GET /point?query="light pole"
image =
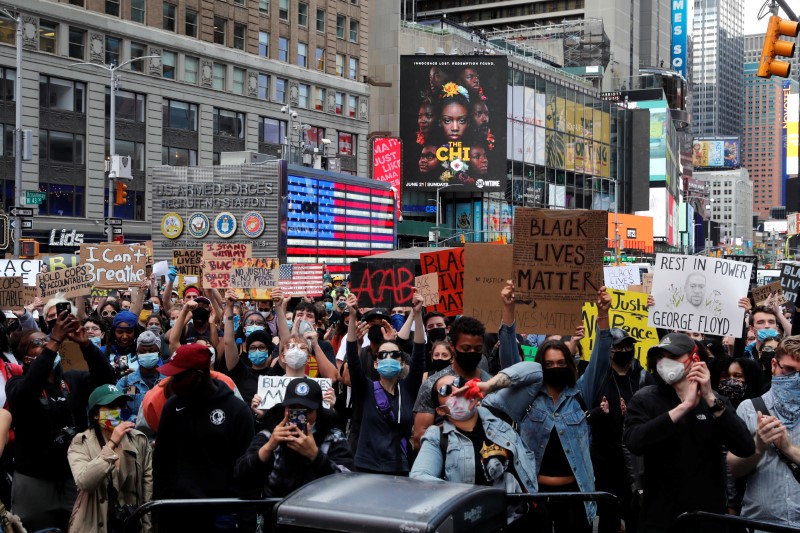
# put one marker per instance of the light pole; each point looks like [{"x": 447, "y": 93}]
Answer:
[
  {"x": 112, "y": 70},
  {"x": 288, "y": 134},
  {"x": 17, "y": 130}
]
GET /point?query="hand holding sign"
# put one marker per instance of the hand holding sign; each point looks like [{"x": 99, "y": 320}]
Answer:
[{"x": 417, "y": 303}]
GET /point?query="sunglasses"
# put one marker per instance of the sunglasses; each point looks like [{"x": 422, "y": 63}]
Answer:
[
  {"x": 39, "y": 342},
  {"x": 394, "y": 354},
  {"x": 109, "y": 314},
  {"x": 447, "y": 390}
]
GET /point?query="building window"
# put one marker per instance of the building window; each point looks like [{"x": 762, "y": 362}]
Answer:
[
  {"x": 302, "y": 14},
  {"x": 263, "y": 44},
  {"x": 353, "y": 31},
  {"x": 112, "y": 50},
  {"x": 112, "y": 8},
  {"x": 339, "y": 103},
  {"x": 219, "y": 30},
  {"x": 190, "y": 69},
  {"x": 77, "y": 43},
  {"x": 48, "y": 34},
  {"x": 218, "y": 75},
  {"x": 319, "y": 98},
  {"x": 238, "y": 80},
  {"x": 283, "y": 49},
  {"x": 320, "y": 58},
  {"x": 340, "y": 22},
  {"x": 62, "y": 147},
  {"x": 263, "y": 6},
  {"x": 352, "y": 105},
  {"x": 302, "y": 54},
  {"x": 321, "y": 20},
  {"x": 271, "y": 130},
  {"x": 137, "y": 11},
  {"x": 239, "y": 31},
  {"x": 263, "y": 86},
  {"x": 302, "y": 99},
  {"x": 228, "y": 123},
  {"x": 168, "y": 20},
  {"x": 130, "y": 106},
  {"x": 353, "y": 71},
  {"x": 168, "y": 62},
  {"x": 7, "y": 84},
  {"x": 64, "y": 95},
  {"x": 340, "y": 65},
  {"x": 280, "y": 90},
  {"x": 8, "y": 30},
  {"x": 61, "y": 200},
  {"x": 178, "y": 157},
  {"x": 312, "y": 137},
  {"x": 283, "y": 9},
  {"x": 239, "y": 3},
  {"x": 138, "y": 50},
  {"x": 179, "y": 115},
  {"x": 346, "y": 143},
  {"x": 191, "y": 23}
]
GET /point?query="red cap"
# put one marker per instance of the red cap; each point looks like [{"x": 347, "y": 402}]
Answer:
[{"x": 193, "y": 356}]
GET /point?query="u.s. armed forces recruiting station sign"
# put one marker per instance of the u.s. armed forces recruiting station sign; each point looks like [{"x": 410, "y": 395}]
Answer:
[{"x": 193, "y": 206}]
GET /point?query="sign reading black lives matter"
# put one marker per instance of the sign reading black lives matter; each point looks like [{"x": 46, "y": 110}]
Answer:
[
  {"x": 699, "y": 294},
  {"x": 193, "y": 206},
  {"x": 453, "y": 122}
]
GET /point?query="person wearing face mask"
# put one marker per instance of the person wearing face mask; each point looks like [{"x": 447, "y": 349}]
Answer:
[
  {"x": 386, "y": 418},
  {"x": 146, "y": 376},
  {"x": 267, "y": 308},
  {"x": 679, "y": 427},
  {"x": 442, "y": 356},
  {"x": 625, "y": 377},
  {"x": 475, "y": 444},
  {"x": 111, "y": 463},
  {"x": 48, "y": 406},
  {"x": 765, "y": 356},
  {"x": 121, "y": 343},
  {"x": 200, "y": 326}
]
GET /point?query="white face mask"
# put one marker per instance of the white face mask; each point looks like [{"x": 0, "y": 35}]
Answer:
[
  {"x": 296, "y": 358},
  {"x": 670, "y": 370},
  {"x": 460, "y": 408}
]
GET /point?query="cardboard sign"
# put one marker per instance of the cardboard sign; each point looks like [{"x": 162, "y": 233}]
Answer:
[
  {"x": 240, "y": 266},
  {"x": 753, "y": 260},
  {"x": 218, "y": 258},
  {"x": 790, "y": 281},
  {"x": 762, "y": 292},
  {"x": 188, "y": 261},
  {"x": 558, "y": 263},
  {"x": 621, "y": 277},
  {"x": 115, "y": 266},
  {"x": 27, "y": 268},
  {"x": 254, "y": 278},
  {"x": 72, "y": 357},
  {"x": 383, "y": 282},
  {"x": 72, "y": 282},
  {"x": 12, "y": 293},
  {"x": 31, "y": 293},
  {"x": 647, "y": 284},
  {"x": 699, "y": 294},
  {"x": 449, "y": 264},
  {"x": 272, "y": 388},
  {"x": 427, "y": 286},
  {"x": 629, "y": 312}
]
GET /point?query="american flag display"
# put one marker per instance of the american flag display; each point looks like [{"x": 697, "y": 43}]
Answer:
[{"x": 301, "y": 279}]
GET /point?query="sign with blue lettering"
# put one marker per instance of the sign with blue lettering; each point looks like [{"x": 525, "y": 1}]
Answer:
[{"x": 678, "y": 44}]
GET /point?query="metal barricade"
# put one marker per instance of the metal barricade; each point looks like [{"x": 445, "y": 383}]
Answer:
[
  {"x": 263, "y": 506},
  {"x": 734, "y": 523},
  {"x": 548, "y": 497}
]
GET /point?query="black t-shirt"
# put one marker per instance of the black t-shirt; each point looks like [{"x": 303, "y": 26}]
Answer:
[
  {"x": 554, "y": 461},
  {"x": 246, "y": 379},
  {"x": 477, "y": 437}
]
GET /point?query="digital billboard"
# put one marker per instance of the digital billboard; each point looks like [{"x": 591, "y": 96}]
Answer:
[
  {"x": 387, "y": 153},
  {"x": 453, "y": 122},
  {"x": 658, "y": 138},
  {"x": 718, "y": 152},
  {"x": 680, "y": 19},
  {"x": 792, "y": 109}
]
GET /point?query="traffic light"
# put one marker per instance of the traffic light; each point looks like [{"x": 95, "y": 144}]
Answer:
[
  {"x": 122, "y": 193},
  {"x": 773, "y": 47},
  {"x": 28, "y": 248}
]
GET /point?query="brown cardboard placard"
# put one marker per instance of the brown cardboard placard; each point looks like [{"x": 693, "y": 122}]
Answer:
[
  {"x": 762, "y": 292},
  {"x": 72, "y": 357},
  {"x": 427, "y": 286},
  {"x": 254, "y": 278},
  {"x": 115, "y": 266},
  {"x": 188, "y": 261},
  {"x": 72, "y": 282},
  {"x": 12, "y": 293},
  {"x": 218, "y": 260},
  {"x": 647, "y": 282}
]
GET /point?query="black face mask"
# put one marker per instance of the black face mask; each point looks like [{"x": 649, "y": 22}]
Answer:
[
  {"x": 51, "y": 324},
  {"x": 623, "y": 358},
  {"x": 200, "y": 315},
  {"x": 468, "y": 361},
  {"x": 439, "y": 364},
  {"x": 436, "y": 334},
  {"x": 558, "y": 377},
  {"x": 375, "y": 334},
  {"x": 766, "y": 355}
]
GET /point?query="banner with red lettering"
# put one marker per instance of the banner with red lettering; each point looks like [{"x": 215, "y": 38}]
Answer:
[
  {"x": 387, "y": 155},
  {"x": 449, "y": 264}
]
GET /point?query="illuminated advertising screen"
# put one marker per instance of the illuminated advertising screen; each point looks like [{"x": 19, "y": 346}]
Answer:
[
  {"x": 453, "y": 122},
  {"x": 387, "y": 153},
  {"x": 792, "y": 105},
  {"x": 336, "y": 222},
  {"x": 719, "y": 152},
  {"x": 680, "y": 20}
]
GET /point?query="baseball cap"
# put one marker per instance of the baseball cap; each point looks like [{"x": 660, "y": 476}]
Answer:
[
  {"x": 305, "y": 392},
  {"x": 619, "y": 335},
  {"x": 674, "y": 343},
  {"x": 148, "y": 338},
  {"x": 105, "y": 395},
  {"x": 202, "y": 300},
  {"x": 377, "y": 312},
  {"x": 193, "y": 356}
]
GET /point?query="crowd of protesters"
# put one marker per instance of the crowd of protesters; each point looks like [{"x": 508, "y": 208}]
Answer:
[{"x": 166, "y": 405}]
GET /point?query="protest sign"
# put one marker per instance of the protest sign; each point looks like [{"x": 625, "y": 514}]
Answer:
[
  {"x": 449, "y": 264},
  {"x": 629, "y": 312},
  {"x": 188, "y": 261},
  {"x": 72, "y": 356},
  {"x": 272, "y": 388},
  {"x": 27, "y": 268},
  {"x": 52, "y": 262},
  {"x": 752, "y": 259},
  {"x": 98, "y": 292},
  {"x": 218, "y": 258},
  {"x": 31, "y": 293},
  {"x": 383, "y": 282},
  {"x": 790, "y": 282},
  {"x": 72, "y": 282},
  {"x": 762, "y": 292},
  {"x": 12, "y": 293},
  {"x": 427, "y": 286},
  {"x": 115, "y": 266},
  {"x": 301, "y": 279},
  {"x": 254, "y": 271},
  {"x": 558, "y": 263},
  {"x": 161, "y": 269},
  {"x": 621, "y": 277},
  {"x": 699, "y": 294}
]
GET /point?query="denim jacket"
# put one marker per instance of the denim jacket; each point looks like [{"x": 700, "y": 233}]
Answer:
[
  {"x": 134, "y": 379},
  {"x": 459, "y": 466},
  {"x": 567, "y": 415}
]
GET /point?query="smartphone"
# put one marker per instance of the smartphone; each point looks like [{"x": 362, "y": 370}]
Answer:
[
  {"x": 61, "y": 307},
  {"x": 298, "y": 418}
]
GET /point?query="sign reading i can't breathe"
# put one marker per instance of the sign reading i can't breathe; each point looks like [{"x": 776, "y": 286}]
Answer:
[{"x": 115, "y": 266}]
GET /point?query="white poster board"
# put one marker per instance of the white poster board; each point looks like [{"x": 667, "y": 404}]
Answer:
[
  {"x": 699, "y": 294},
  {"x": 619, "y": 277},
  {"x": 27, "y": 268},
  {"x": 272, "y": 388}
]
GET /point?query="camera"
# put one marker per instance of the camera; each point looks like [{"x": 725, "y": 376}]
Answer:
[
  {"x": 120, "y": 515},
  {"x": 65, "y": 435}
]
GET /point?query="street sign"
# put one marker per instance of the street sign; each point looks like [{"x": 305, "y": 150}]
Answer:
[
  {"x": 35, "y": 197},
  {"x": 117, "y": 231},
  {"x": 113, "y": 222},
  {"x": 21, "y": 211},
  {"x": 27, "y": 223}
]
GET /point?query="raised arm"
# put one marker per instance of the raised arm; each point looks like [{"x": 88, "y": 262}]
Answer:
[
  {"x": 138, "y": 299},
  {"x": 358, "y": 380},
  {"x": 166, "y": 299},
  {"x": 231, "y": 350},
  {"x": 509, "y": 353},
  {"x": 180, "y": 323},
  {"x": 600, "y": 361},
  {"x": 280, "y": 302}
]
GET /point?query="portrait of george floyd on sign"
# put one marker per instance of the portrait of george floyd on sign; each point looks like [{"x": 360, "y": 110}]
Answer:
[{"x": 453, "y": 122}]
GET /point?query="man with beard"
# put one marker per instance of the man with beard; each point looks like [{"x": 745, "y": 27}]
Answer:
[{"x": 480, "y": 118}]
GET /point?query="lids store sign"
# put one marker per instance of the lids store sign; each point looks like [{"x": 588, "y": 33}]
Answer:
[{"x": 65, "y": 238}]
